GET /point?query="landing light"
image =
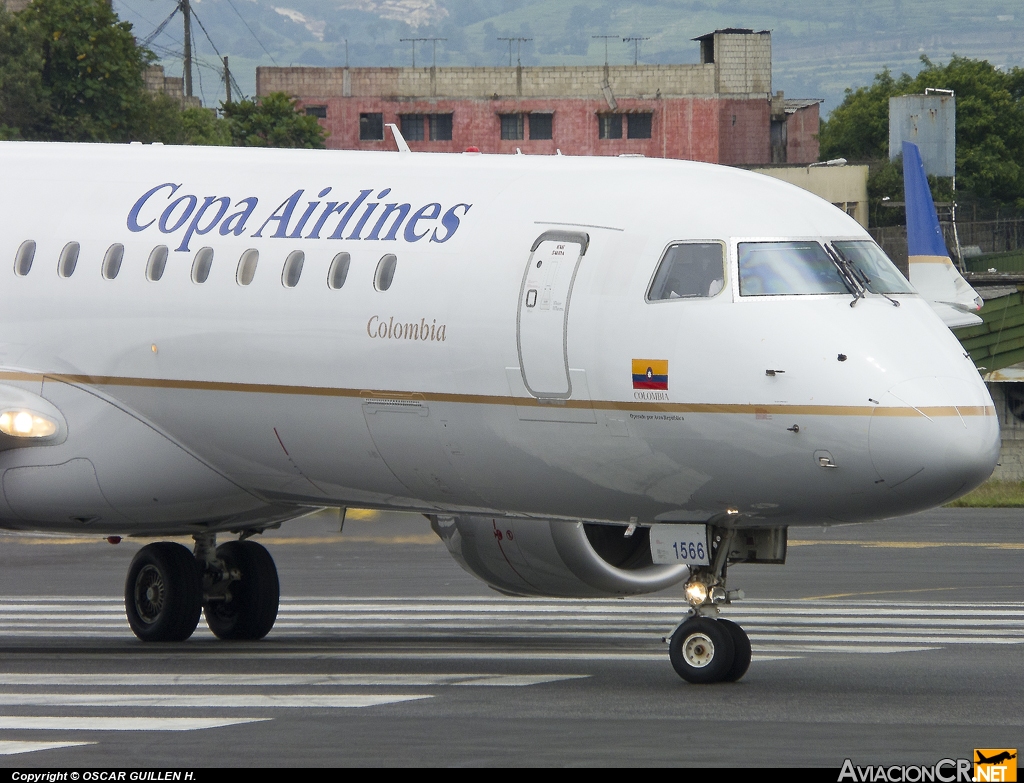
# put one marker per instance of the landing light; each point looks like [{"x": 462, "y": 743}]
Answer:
[
  {"x": 696, "y": 593},
  {"x": 26, "y": 424}
]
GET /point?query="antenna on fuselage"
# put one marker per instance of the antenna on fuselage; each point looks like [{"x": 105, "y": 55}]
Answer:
[{"x": 403, "y": 145}]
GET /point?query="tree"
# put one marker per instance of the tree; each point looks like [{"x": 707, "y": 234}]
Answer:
[
  {"x": 272, "y": 121},
  {"x": 23, "y": 101},
  {"x": 91, "y": 71},
  {"x": 989, "y": 123}
]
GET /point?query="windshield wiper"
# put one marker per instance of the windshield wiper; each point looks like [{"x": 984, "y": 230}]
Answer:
[
  {"x": 846, "y": 271},
  {"x": 862, "y": 276}
]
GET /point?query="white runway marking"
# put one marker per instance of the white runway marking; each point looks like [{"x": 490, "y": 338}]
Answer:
[
  {"x": 776, "y": 627},
  {"x": 93, "y": 723},
  {"x": 193, "y": 680},
  {"x": 11, "y": 747},
  {"x": 205, "y": 701}
]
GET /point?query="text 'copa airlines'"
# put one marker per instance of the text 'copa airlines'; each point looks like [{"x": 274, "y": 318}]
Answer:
[{"x": 169, "y": 212}]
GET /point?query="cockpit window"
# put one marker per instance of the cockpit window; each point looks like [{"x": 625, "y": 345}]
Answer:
[
  {"x": 689, "y": 271},
  {"x": 880, "y": 274},
  {"x": 776, "y": 268}
]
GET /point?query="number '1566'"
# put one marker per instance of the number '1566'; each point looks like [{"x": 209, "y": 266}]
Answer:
[{"x": 688, "y": 550}]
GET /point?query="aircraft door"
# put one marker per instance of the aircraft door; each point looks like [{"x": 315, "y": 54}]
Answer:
[{"x": 543, "y": 316}]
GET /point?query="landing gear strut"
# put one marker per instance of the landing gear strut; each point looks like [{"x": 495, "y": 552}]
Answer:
[
  {"x": 168, "y": 587},
  {"x": 704, "y": 648}
]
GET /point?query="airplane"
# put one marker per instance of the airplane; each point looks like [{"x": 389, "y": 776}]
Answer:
[
  {"x": 996, "y": 759},
  {"x": 595, "y": 376}
]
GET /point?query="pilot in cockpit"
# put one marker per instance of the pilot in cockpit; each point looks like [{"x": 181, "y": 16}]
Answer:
[{"x": 689, "y": 271}]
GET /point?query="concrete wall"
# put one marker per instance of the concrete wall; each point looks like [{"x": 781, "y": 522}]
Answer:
[
  {"x": 533, "y": 82},
  {"x": 717, "y": 111},
  {"x": 743, "y": 63},
  {"x": 684, "y": 128},
  {"x": 840, "y": 185},
  {"x": 802, "y": 127}
]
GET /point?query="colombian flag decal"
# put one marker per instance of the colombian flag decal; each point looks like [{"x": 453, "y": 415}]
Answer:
[{"x": 650, "y": 374}]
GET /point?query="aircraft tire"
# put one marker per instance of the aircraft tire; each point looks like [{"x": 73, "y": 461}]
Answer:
[
  {"x": 741, "y": 645},
  {"x": 252, "y": 610},
  {"x": 163, "y": 593},
  {"x": 702, "y": 650}
]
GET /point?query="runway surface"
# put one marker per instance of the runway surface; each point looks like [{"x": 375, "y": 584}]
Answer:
[{"x": 893, "y": 643}]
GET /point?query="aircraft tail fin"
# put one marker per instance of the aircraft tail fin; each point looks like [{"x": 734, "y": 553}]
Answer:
[{"x": 932, "y": 272}]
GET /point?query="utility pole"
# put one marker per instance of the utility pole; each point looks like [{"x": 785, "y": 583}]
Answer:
[
  {"x": 227, "y": 78},
  {"x": 519, "y": 50},
  {"x": 636, "y": 39},
  {"x": 186, "y": 12}
]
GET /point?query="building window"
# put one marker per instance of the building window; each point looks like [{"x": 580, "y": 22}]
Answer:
[
  {"x": 371, "y": 127},
  {"x": 413, "y": 127},
  {"x": 511, "y": 126},
  {"x": 320, "y": 112},
  {"x": 421, "y": 127},
  {"x": 440, "y": 127},
  {"x": 638, "y": 126},
  {"x": 609, "y": 126},
  {"x": 541, "y": 126}
]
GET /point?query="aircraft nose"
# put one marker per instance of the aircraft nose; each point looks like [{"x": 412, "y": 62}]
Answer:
[{"x": 934, "y": 438}]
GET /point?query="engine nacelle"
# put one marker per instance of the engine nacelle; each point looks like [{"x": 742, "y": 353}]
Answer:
[{"x": 555, "y": 558}]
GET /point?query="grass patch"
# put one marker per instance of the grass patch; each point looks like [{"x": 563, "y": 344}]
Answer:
[{"x": 993, "y": 494}]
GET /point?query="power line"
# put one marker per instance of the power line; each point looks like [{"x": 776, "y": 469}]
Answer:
[
  {"x": 160, "y": 27},
  {"x": 253, "y": 34},
  {"x": 216, "y": 51}
]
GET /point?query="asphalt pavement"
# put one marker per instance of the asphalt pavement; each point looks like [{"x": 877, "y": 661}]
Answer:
[{"x": 898, "y": 642}]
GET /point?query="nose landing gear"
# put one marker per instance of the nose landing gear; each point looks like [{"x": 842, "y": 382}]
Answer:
[{"x": 704, "y": 648}]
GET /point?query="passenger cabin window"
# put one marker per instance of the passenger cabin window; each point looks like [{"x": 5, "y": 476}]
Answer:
[
  {"x": 23, "y": 259},
  {"x": 157, "y": 263},
  {"x": 247, "y": 266},
  {"x": 68, "y": 259},
  {"x": 292, "y": 269},
  {"x": 880, "y": 274},
  {"x": 385, "y": 272},
  {"x": 777, "y": 268},
  {"x": 338, "y": 272},
  {"x": 689, "y": 271},
  {"x": 202, "y": 265},
  {"x": 112, "y": 261}
]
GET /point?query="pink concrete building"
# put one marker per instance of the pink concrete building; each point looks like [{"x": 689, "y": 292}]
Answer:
[{"x": 721, "y": 110}]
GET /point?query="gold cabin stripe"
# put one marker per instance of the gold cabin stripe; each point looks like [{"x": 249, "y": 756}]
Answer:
[{"x": 936, "y": 411}]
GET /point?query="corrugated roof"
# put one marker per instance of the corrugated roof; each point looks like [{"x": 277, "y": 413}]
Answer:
[{"x": 792, "y": 105}]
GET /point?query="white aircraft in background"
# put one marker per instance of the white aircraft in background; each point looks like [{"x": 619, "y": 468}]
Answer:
[{"x": 595, "y": 376}]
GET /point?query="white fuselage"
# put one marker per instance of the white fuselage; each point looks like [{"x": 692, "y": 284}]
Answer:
[{"x": 283, "y": 398}]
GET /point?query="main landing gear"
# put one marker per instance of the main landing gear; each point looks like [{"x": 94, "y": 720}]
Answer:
[
  {"x": 704, "y": 648},
  {"x": 235, "y": 585}
]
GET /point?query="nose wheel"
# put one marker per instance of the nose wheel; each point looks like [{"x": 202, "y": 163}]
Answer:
[{"x": 704, "y": 650}]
